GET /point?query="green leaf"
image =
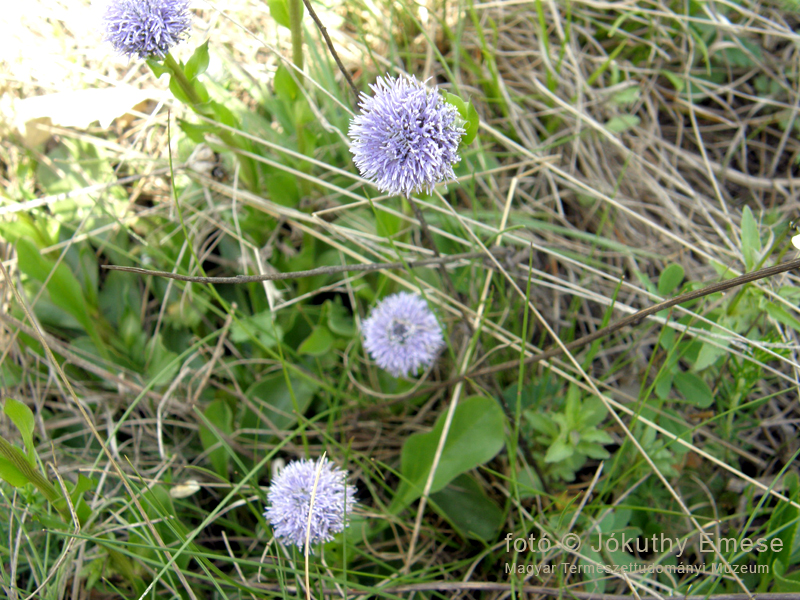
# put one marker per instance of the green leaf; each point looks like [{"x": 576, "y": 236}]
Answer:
[
  {"x": 622, "y": 123},
  {"x": 596, "y": 585},
  {"x": 157, "y": 67},
  {"x": 161, "y": 363},
  {"x": 670, "y": 279},
  {"x": 23, "y": 419},
  {"x": 694, "y": 389},
  {"x": 84, "y": 484},
  {"x": 220, "y": 416},
  {"x": 542, "y": 422},
  {"x": 751, "y": 242},
  {"x": 195, "y": 132},
  {"x": 469, "y": 114},
  {"x": 475, "y": 437},
  {"x": 781, "y": 315},
  {"x": 259, "y": 326},
  {"x": 17, "y": 470},
  {"x": 388, "y": 224},
  {"x": 784, "y": 519},
  {"x": 473, "y": 514},
  {"x": 790, "y": 583},
  {"x": 201, "y": 92},
  {"x": 664, "y": 383},
  {"x": 674, "y": 79},
  {"x": 282, "y": 188},
  {"x": 87, "y": 274},
  {"x": 279, "y": 9},
  {"x": 473, "y": 122},
  {"x": 458, "y": 102},
  {"x": 626, "y": 97},
  {"x": 65, "y": 291},
  {"x": 198, "y": 63},
  {"x": 318, "y": 343},
  {"x": 559, "y": 450},
  {"x": 224, "y": 115},
  {"x": 285, "y": 86},
  {"x": 592, "y": 412},
  {"x": 340, "y": 322},
  {"x": 11, "y": 473},
  {"x": 710, "y": 353},
  {"x": 177, "y": 91},
  {"x": 273, "y": 398},
  {"x": 529, "y": 483}
]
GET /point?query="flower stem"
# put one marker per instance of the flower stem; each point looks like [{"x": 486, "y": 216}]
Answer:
[
  {"x": 205, "y": 109},
  {"x": 296, "y": 22},
  {"x": 186, "y": 85}
]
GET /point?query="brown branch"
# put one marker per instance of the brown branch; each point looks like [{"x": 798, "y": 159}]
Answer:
[
  {"x": 364, "y": 267},
  {"x": 323, "y": 30},
  {"x": 633, "y": 319}
]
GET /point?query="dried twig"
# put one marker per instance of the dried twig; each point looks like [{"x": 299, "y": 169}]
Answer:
[
  {"x": 633, "y": 319},
  {"x": 323, "y": 30}
]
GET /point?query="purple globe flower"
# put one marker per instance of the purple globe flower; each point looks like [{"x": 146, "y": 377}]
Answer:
[
  {"x": 146, "y": 28},
  {"x": 402, "y": 334},
  {"x": 406, "y": 138},
  {"x": 289, "y": 497}
]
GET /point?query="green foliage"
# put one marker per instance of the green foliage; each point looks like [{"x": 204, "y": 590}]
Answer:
[
  {"x": 279, "y": 10},
  {"x": 571, "y": 435},
  {"x": 475, "y": 437},
  {"x": 218, "y": 422},
  {"x": 470, "y": 116},
  {"x": 63, "y": 288},
  {"x": 465, "y": 504},
  {"x": 19, "y": 469},
  {"x": 204, "y": 386}
]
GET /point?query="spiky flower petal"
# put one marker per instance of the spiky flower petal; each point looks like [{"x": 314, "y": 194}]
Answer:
[
  {"x": 289, "y": 500},
  {"x": 146, "y": 28},
  {"x": 402, "y": 334},
  {"x": 406, "y": 138}
]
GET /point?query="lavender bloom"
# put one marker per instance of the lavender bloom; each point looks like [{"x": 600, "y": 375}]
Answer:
[
  {"x": 402, "y": 334},
  {"x": 406, "y": 137},
  {"x": 289, "y": 497},
  {"x": 146, "y": 28}
]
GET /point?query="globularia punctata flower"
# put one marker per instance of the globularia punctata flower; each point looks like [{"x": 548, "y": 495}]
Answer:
[
  {"x": 402, "y": 334},
  {"x": 289, "y": 500},
  {"x": 406, "y": 138},
  {"x": 146, "y": 28}
]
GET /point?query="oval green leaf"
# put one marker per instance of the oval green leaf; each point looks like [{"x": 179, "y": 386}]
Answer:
[{"x": 476, "y": 436}]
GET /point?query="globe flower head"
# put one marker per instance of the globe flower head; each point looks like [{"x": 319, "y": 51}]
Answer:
[
  {"x": 290, "y": 507},
  {"x": 406, "y": 138},
  {"x": 402, "y": 334},
  {"x": 146, "y": 28}
]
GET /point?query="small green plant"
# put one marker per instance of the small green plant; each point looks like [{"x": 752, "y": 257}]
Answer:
[{"x": 572, "y": 435}]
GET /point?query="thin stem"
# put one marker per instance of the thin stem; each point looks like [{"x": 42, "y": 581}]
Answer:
[
  {"x": 250, "y": 172},
  {"x": 366, "y": 267},
  {"x": 552, "y": 352},
  {"x": 296, "y": 23},
  {"x": 323, "y": 30},
  {"x": 633, "y": 319},
  {"x": 427, "y": 240},
  {"x": 177, "y": 72}
]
